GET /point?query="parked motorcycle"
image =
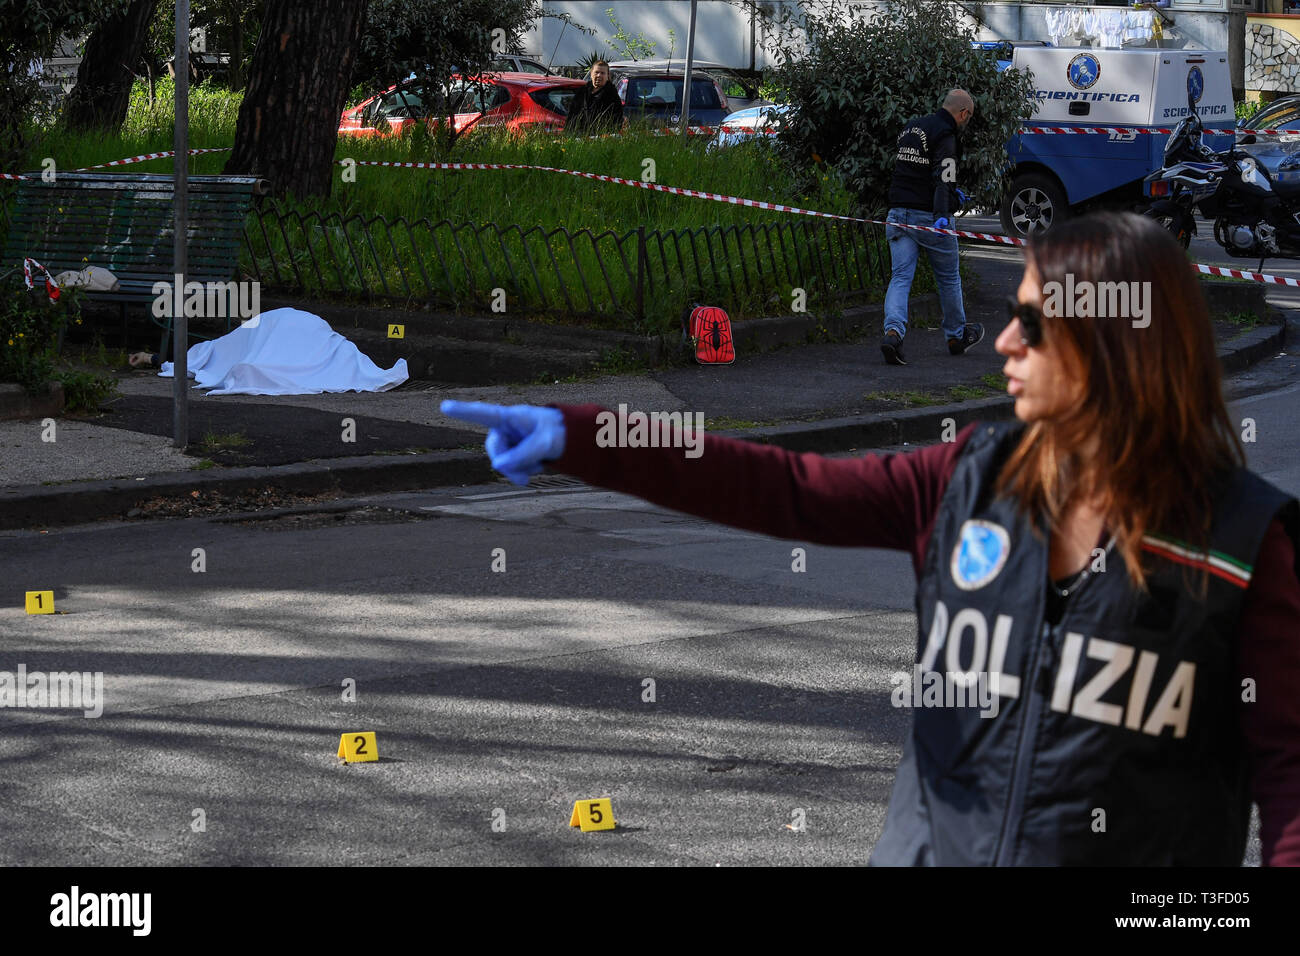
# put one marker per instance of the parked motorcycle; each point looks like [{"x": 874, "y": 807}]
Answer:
[{"x": 1254, "y": 216}]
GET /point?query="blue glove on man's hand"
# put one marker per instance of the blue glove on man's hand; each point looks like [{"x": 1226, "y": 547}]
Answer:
[
  {"x": 521, "y": 436},
  {"x": 962, "y": 197},
  {"x": 941, "y": 223}
]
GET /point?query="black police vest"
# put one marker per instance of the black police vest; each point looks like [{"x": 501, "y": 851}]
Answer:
[
  {"x": 1116, "y": 737},
  {"x": 913, "y": 183}
]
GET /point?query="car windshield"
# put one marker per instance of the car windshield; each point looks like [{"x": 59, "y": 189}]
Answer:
[
  {"x": 411, "y": 100},
  {"x": 521, "y": 66},
  {"x": 734, "y": 87},
  {"x": 1278, "y": 115},
  {"x": 555, "y": 98},
  {"x": 658, "y": 93},
  {"x": 415, "y": 101},
  {"x": 480, "y": 97}
]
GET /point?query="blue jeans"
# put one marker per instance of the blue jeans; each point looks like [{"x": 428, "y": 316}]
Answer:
[{"x": 904, "y": 248}]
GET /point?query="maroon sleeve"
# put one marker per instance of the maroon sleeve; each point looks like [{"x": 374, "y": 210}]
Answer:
[
  {"x": 876, "y": 501},
  {"x": 1270, "y": 655}
]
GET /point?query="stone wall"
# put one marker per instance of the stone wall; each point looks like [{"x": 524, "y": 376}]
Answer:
[{"x": 1273, "y": 54}]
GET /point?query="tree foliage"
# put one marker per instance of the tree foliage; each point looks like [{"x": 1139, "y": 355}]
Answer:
[
  {"x": 854, "y": 82},
  {"x": 30, "y": 32},
  {"x": 231, "y": 27},
  {"x": 434, "y": 39}
]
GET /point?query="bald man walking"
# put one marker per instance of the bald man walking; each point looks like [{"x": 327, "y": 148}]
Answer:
[{"x": 924, "y": 193}]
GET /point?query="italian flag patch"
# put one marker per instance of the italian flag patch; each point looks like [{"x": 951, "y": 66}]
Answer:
[{"x": 1215, "y": 562}]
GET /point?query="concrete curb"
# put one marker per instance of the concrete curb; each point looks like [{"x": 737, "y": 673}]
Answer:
[
  {"x": 82, "y": 501},
  {"x": 17, "y": 405},
  {"x": 79, "y": 502},
  {"x": 477, "y": 350},
  {"x": 1253, "y": 346},
  {"x": 875, "y": 431}
]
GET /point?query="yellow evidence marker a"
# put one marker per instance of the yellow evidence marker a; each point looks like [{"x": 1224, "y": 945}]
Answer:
[
  {"x": 592, "y": 815},
  {"x": 397, "y": 331},
  {"x": 40, "y": 602},
  {"x": 358, "y": 748}
]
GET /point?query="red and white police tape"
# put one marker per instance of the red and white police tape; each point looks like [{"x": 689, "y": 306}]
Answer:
[
  {"x": 123, "y": 162},
  {"x": 1140, "y": 130},
  {"x": 749, "y": 131},
  {"x": 715, "y": 197},
  {"x": 656, "y": 187},
  {"x": 51, "y": 287}
]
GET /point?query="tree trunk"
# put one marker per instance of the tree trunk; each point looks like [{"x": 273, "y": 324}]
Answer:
[
  {"x": 103, "y": 91},
  {"x": 235, "y": 78},
  {"x": 297, "y": 84}
]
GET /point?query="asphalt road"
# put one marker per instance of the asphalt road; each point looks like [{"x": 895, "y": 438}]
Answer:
[{"x": 495, "y": 695}]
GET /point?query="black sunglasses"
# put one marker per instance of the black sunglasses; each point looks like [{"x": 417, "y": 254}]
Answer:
[{"x": 1031, "y": 321}]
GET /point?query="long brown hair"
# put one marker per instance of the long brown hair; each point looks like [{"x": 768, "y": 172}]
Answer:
[{"x": 1151, "y": 395}]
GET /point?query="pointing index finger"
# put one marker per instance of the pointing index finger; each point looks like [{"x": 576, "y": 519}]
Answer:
[{"x": 481, "y": 413}]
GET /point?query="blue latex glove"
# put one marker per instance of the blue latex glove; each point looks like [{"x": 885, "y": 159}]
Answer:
[
  {"x": 961, "y": 195},
  {"x": 942, "y": 223},
  {"x": 521, "y": 436}
]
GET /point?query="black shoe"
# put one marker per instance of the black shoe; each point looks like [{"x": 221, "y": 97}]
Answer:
[
  {"x": 892, "y": 348},
  {"x": 971, "y": 336}
]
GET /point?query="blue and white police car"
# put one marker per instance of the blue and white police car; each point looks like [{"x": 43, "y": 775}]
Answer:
[{"x": 1054, "y": 175}]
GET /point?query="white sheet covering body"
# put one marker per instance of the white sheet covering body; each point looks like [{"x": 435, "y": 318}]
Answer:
[{"x": 286, "y": 352}]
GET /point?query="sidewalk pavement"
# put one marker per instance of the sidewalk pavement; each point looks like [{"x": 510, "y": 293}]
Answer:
[{"x": 828, "y": 397}]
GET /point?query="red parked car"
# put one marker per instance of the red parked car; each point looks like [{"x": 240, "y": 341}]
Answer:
[{"x": 515, "y": 100}]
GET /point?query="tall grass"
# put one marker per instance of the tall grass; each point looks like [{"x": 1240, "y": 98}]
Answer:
[
  {"x": 212, "y": 116},
  {"x": 316, "y": 258},
  {"x": 526, "y": 197},
  {"x": 531, "y": 197}
]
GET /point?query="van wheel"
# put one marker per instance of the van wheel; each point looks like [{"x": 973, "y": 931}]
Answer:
[{"x": 1034, "y": 203}]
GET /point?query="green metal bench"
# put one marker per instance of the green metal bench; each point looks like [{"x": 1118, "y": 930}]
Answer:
[{"x": 124, "y": 222}]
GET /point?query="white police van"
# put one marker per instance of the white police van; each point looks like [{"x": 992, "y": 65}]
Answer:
[{"x": 1054, "y": 175}]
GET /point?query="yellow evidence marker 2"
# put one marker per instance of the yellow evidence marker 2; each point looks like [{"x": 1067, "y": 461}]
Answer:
[
  {"x": 40, "y": 602},
  {"x": 592, "y": 815},
  {"x": 358, "y": 748},
  {"x": 397, "y": 331}
]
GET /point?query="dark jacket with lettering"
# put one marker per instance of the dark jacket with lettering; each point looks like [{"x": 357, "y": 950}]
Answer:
[
  {"x": 1117, "y": 735},
  {"x": 918, "y": 182}
]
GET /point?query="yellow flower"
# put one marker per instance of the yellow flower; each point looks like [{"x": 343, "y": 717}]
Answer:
[{"x": 11, "y": 341}]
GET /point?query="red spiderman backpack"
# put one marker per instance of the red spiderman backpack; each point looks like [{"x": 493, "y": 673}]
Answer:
[{"x": 708, "y": 332}]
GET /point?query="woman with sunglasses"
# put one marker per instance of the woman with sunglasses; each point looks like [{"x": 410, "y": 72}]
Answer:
[{"x": 1128, "y": 590}]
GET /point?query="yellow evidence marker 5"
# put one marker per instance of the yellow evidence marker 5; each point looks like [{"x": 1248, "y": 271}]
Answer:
[
  {"x": 592, "y": 815},
  {"x": 397, "y": 331},
  {"x": 40, "y": 602},
  {"x": 358, "y": 748}
]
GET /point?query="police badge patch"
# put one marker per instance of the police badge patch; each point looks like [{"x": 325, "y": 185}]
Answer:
[{"x": 981, "y": 553}]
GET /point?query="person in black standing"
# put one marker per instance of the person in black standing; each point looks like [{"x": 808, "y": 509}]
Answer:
[
  {"x": 596, "y": 107},
  {"x": 924, "y": 193}
]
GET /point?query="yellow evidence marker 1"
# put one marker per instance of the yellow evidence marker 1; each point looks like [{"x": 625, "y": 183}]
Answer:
[
  {"x": 40, "y": 602},
  {"x": 397, "y": 331},
  {"x": 358, "y": 748},
  {"x": 592, "y": 815}
]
